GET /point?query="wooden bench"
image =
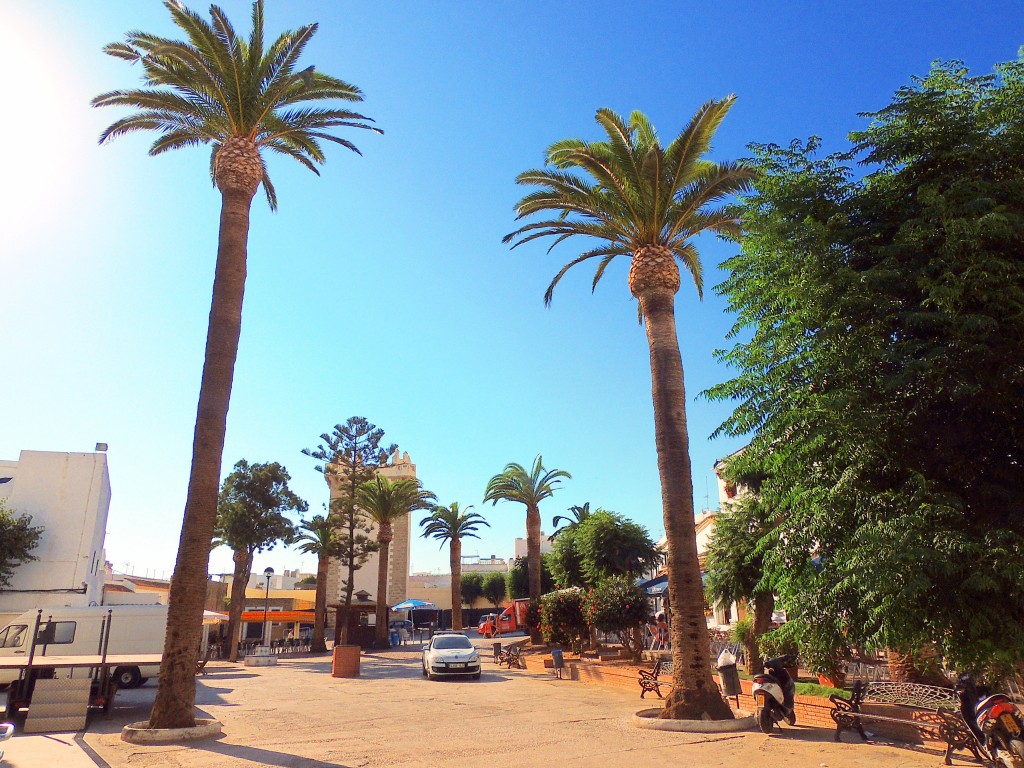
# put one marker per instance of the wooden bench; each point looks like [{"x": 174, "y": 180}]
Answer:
[
  {"x": 649, "y": 678},
  {"x": 511, "y": 655},
  {"x": 935, "y": 711}
]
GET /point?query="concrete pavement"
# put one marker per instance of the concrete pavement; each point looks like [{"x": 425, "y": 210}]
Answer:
[{"x": 297, "y": 715}]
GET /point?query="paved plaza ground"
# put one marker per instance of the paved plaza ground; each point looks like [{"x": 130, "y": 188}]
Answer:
[{"x": 297, "y": 715}]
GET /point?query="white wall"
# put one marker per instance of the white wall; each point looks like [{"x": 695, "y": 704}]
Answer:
[{"x": 68, "y": 495}]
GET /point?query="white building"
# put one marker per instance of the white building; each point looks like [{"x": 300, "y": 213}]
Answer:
[
  {"x": 68, "y": 495},
  {"x": 520, "y": 546}
]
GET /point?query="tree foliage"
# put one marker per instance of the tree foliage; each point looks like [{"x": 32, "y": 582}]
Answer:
[
  {"x": 610, "y": 545},
  {"x": 561, "y": 617},
  {"x": 252, "y": 507},
  {"x": 18, "y": 537},
  {"x": 880, "y": 373},
  {"x": 471, "y": 587},
  {"x": 518, "y": 581},
  {"x": 349, "y": 456},
  {"x": 618, "y": 605},
  {"x": 251, "y": 517},
  {"x": 564, "y": 560},
  {"x": 494, "y": 588}
]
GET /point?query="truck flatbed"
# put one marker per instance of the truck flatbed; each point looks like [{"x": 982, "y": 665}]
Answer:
[{"x": 118, "y": 660}]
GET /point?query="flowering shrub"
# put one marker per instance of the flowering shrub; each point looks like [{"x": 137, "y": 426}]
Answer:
[
  {"x": 561, "y": 617},
  {"x": 533, "y": 615},
  {"x": 618, "y": 605}
]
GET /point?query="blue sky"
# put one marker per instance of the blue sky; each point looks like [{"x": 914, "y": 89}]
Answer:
[{"x": 382, "y": 288}]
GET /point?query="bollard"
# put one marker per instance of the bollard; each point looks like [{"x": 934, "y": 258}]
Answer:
[{"x": 558, "y": 662}]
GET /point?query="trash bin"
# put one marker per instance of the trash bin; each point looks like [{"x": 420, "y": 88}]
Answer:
[
  {"x": 728, "y": 675},
  {"x": 558, "y": 662},
  {"x": 394, "y": 638},
  {"x": 497, "y": 652}
]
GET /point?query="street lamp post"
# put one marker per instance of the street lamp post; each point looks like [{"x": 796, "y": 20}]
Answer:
[{"x": 268, "y": 572}]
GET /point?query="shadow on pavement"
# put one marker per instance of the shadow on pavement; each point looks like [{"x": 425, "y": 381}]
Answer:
[{"x": 259, "y": 756}]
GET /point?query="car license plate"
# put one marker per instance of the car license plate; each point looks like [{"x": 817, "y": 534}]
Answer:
[
  {"x": 457, "y": 666},
  {"x": 1010, "y": 723}
]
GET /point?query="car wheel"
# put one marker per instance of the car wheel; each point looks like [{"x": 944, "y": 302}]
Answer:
[
  {"x": 128, "y": 677},
  {"x": 424, "y": 670}
]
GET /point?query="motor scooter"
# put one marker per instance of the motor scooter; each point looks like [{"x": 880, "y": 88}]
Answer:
[
  {"x": 774, "y": 691},
  {"x": 995, "y": 722}
]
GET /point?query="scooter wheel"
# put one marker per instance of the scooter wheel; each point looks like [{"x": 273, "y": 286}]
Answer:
[{"x": 764, "y": 720}]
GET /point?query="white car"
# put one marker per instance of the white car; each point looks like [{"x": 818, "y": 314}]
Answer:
[{"x": 450, "y": 653}]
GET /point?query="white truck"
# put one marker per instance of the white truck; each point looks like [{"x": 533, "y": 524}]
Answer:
[{"x": 134, "y": 629}]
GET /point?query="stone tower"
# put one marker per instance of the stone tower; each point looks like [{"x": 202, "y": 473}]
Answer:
[{"x": 399, "y": 467}]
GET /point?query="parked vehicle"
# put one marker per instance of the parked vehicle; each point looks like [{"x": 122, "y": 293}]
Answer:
[
  {"x": 134, "y": 629},
  {"x": 995, "y": 721},
  {"x": 774, "y": 693},
  {"x": 450, "y": 654},
  {"x": 512, "y": 619}
]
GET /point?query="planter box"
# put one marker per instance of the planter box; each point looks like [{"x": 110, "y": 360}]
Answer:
[{"x": 346, "y": 661}]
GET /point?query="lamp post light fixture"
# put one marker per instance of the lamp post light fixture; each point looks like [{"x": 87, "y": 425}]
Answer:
[{"x": 268, "y": 572}]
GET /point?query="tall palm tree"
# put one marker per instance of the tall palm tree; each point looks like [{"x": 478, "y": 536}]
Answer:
[
  {"x": 386, "y": 502},
  {"x": 530, "y": 489},
  {"x": 243, "y": 99},
  {"x": 648, "y": 203},
  {"x": 319, "y": 537},
  {"x": 453, "y": 524},
  {"x": 578, "y": 515}
]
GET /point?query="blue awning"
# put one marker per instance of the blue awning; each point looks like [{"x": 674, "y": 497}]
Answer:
[{"x": 655, "y": 586}]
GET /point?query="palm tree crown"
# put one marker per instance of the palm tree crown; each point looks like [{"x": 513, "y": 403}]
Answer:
[
  {"x": 235, "y": 94},
  {"x": 386, "y": 501},
  {"x": 451, "y": 522},
  {"x": 578, "y": 515},
  {"x": 529, "y": 488},
  {"x": 318, "y": 536},
  {"x": 633, "y": 193}
]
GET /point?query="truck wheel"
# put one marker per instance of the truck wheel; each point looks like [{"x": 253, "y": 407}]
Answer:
[{"x": 128, "y": 677}]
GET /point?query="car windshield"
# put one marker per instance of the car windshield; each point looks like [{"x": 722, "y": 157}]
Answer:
[{"x": 452, "y": 642}]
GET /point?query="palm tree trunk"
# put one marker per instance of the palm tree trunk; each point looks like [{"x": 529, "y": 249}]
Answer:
[
  {"x": 381, "y": 633},
  {"x": 323, "y": 564},
  {"x": 455, "y": 561},
  {"x": 174, "y": 706},
  {"x": 533, "y": 566},
  {"x": 764, "y": 606},
  {"x": 239, "y": 582},
  {"x": 694, "y": 693}
]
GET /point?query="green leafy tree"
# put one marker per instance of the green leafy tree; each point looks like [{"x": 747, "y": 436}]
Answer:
[
  {"x": 518, "y": 579},
  {"x": 610, "y": 545},
  {"x": 453, "y": 524},
  {"x": 576, "y": 516},
  {"x": 494, "y": 588},
  {"x": 618, "y": 605},
  {"x": 561, "y": 617},
  {"x": 243, "y": 99},
  {"x": 471, "y": 587},
  {"x": 349, "y": 456},
  {"x": 319, "y": 536},
  {"x": 18, "y": 537},
  {"x": 251, "y": 509},
  {"x": 649, "y": 203},
  {"x": 878, "y": 371},
  {"x": 735, "y": 566},
  {"x": 564, "y": 561},
  {"x": 385, "y": 502},
  {"x": 516, "y": 484}
]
